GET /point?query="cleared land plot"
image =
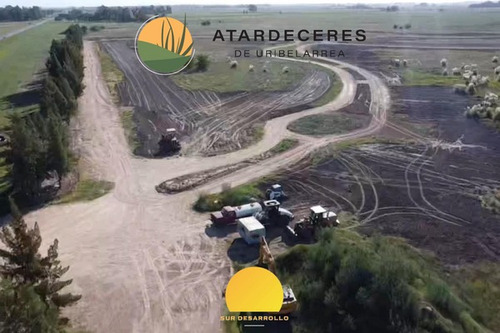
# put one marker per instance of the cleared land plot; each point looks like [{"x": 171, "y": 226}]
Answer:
[
  {"x": 426, "y": 194},
  {"x": 208, "y": 122},
  {"x": 354, "y": 116}
]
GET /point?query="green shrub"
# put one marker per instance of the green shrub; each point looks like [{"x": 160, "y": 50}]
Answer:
[
  {"x": 202, "y": 62},
  {"x": 376, "y": 284},
  {"x": 440, "y": 295},
  {"x": 228, "y": 197}
]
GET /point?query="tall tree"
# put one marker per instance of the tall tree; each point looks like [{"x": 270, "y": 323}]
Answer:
[
  {"x": 58, "y": 158},
  {"x": 28, "y": 155},
  {"x": 23, "y": 311},
  {"x": 22, "y": 263}
]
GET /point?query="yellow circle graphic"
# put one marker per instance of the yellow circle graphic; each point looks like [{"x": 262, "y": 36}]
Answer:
[
  {"x": 164, "y": 45},
  {"x": 254, "y": 289}
]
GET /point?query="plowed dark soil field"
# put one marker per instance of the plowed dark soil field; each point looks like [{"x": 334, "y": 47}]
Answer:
[
  {"x": 208, "y": 122},
  {"x": 427, "y": 193}
]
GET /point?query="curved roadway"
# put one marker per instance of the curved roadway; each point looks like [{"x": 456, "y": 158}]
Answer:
[{"x": 142, "y": 260}]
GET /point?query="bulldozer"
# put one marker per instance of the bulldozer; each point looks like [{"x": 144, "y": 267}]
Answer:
[
  {"x": 305, "y": 229},
  {"x": 266, "y": 258},
  {"x": 169, "y": 144}
]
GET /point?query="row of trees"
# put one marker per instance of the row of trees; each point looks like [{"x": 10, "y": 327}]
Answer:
[
  {"x": 40, "y": 140},
  {"x": 10, "y": 13},
  {"x": 31, "y": 296},
  {"x": 486, "y": 4},
  {"x": 116, "y": 14}
]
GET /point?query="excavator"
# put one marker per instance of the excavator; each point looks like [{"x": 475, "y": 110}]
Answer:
[{"x": 266, "y": 259}]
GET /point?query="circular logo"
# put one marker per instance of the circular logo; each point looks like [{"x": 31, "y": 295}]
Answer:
[
  {"x": 254, "y": 289},
  {"x": 164, "y": 45}
]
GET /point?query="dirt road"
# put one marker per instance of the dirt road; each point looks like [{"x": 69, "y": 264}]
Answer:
[
  {"x": 142, "y": 260},
  {"x": 26, "y": 28}
]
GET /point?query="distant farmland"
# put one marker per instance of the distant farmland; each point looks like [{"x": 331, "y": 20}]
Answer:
[
  {"x": 23, "y": 55},
  {"x": 6, "y": 27}
]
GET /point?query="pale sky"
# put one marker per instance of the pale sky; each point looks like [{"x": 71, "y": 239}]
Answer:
[{"x": 89, "y": 3}]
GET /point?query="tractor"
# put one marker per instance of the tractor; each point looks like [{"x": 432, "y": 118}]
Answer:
[
  {"x": 169, "y": 144},
  {"x": 319, "y": 217}
]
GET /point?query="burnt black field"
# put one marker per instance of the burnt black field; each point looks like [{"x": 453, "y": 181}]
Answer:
[{"x": 427, "y": 193}]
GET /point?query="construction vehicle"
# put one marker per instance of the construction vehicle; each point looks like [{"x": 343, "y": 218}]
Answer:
[
  {"x": 275, "y": 192},
  {"x": 273, "y": 214},
  {"x": 169, "y": 144},
  {"x": 251, "y": 230},
  {"x": 266, "y": 258},
  {"x": 319, "y": 217},
  {"x": 229, "y": 215}
]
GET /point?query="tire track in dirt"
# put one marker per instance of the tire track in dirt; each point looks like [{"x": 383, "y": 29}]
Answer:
[{"x": 208, "y": 122}]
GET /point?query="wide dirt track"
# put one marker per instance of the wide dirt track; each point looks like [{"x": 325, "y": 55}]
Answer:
[
  {"x": 210, "y": 122},
  {"x": 142, "y": 260}
]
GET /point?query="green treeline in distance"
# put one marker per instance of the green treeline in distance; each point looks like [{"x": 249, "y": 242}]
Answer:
[
  {"x": 40, "y": 140},
  {"x": 116, "y": 14},
  {"x": 10, "y": 13}
]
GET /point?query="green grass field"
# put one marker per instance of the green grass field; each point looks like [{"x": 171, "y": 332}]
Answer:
[
  {"x": 332, "y": 92},
  {"x": 112, "y": 74},
  {"x": 425, "y": 68},
  {"x": 325, "y": 124},
  {"x": 327, "y": 17},
  {"x": 160, "y": 59},
  {"x": 421, "y": 78},
  {"x": 221, "y": 78},
  {"x": 23, "y": 55},
  {"x": 6, "y": 27},
  {"x": 87, "y": 190},
  {"x": 450, "y": 20}
]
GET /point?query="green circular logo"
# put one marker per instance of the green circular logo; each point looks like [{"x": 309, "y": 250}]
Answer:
[{"x": 164, "y": 45}]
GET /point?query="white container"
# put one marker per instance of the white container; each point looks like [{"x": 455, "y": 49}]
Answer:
[
  {"x": 248, "y": 209},
  {"x": 251, "y": 230}
]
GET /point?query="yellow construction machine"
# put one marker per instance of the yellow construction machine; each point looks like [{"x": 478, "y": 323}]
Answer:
[{"x": 266, "y": 258}]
